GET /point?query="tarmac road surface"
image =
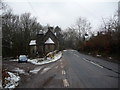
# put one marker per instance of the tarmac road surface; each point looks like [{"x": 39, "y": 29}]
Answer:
[{"x": 73, "y": 70}]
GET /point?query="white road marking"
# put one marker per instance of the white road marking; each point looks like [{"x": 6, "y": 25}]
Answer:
[
  {"x": 86, "y": 60},
  {"x": 76, "y": 55},
  {"x": 56, "y": 67},
  {"x": 65, "y": 82},
  {"x": 63, "y": 72},
  {"x": 93, "y": 63},
  {"x": 96, "y": 64}
]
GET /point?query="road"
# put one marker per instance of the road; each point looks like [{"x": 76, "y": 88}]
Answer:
[
  {"x": 90, "y": 72},
  {"x": 0, "y": 71},
  {"x": 73, "y": 70}
]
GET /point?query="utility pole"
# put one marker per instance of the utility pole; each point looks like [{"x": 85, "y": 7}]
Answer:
[
  {"x": 119, "y": 13},
  {"x": 0, "y": 45}
]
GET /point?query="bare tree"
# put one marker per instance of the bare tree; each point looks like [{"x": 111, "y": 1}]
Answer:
[
  {"x": 82, "y": 26},
  {"x": 17, "y": 33},
  {"x": 3, "y": 5},
  {"x": 30, "y": 28},
  {"x": 70, "y": 38}
]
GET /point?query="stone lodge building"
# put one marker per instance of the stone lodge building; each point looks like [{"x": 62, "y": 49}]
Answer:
[{"x": 44, "y": 43}]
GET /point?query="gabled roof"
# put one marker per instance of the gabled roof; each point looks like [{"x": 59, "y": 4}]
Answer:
[
  {"x": 32, "y": 42},
  {"x": 49, "y": 32},
  {"x": 49, "y": 41}
]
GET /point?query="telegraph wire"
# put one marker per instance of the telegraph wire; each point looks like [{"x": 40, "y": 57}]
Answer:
[{"x": 32, "y": 8}]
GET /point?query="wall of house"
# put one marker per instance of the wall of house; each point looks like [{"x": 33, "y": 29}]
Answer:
[
  {"x": 40, "y": 50},
  {"x": 32, "y": 51},
  {"x": 43, "y": 49},
  {"x": 49, "y": 48}
]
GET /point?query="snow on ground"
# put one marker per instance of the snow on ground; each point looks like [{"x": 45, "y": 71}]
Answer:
[
  {"x": 110, "y": 57},
  {"x": 69, "y": 50},
  {"x": 18, "y": 70},
  {"x": 36, "y": 70},
  {"x": 64, "y": 50},
  {"x": 49, "y": 60},
  {"x": 13, "y": 80},
  {"x": 14, "y": 60},
  {"x": 45, "y": 70},
  {"x": 98, "y": 55}
]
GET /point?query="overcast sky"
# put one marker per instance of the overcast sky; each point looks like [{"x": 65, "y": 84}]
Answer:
[{"x": 65, "y": 12}]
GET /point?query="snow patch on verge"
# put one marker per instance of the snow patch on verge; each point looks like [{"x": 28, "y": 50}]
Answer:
[
  {"x": 14, "y": 60},
  {"x": 68, "y": 50},
  {"x": 55, "y": 58},
  {"x": 65, "y": 50},
  {"x": 109, "y": 57},
  {"x": 18, "y": 70},
  {"x": 45, "y": 70},
  {"x": 98, "y": 55},
  {"x": 36, "y": 70},
  {"x": 13, "y": 80}
]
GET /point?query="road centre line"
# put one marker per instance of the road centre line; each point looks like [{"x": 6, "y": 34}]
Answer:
[
  {"x": 65, "y": 82},
  {"x": 63, "y": 72}
]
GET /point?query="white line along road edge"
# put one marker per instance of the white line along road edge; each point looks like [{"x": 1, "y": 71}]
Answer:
[
  {"x": 96, "y": 64},
  {"x": 93, "y": 63}
]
